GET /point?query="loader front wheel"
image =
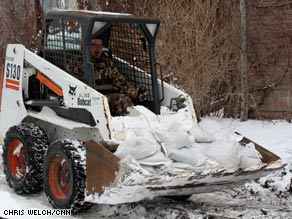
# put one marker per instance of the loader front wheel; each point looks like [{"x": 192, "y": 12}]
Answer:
[
  {"x": 23, "y": 156},
  {"x": 65, "y": 175}
]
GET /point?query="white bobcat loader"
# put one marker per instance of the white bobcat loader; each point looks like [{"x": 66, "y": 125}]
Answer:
[{"x": 58, "y": 132}]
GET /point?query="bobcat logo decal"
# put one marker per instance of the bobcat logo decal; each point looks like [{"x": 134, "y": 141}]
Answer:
[{"x": 72, "y": 90}]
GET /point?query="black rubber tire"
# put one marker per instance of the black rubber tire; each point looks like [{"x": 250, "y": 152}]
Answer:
[
  {"x": 35, "y": 143},
  {"x": 72, "y": 153}
]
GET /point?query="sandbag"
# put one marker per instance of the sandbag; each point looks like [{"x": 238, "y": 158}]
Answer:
[
  {"x": 250, "y": 156},
  {"x": 200, "y": 135},
  {"x": 156, "y": 159},
  {"x": 180, "y": 166},
  {"x": 227, "y": 152},
  {"x": 174, "y": 139},
  {"x": 174, "y": 136},
  {"x": 192, "y": 156},
  {"x": 138, "y": 147}
]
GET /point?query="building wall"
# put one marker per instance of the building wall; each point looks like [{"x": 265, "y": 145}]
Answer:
[{"x": 270, "y": 56}]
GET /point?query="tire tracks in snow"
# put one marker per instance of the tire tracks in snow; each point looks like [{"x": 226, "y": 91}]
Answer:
[{"x": 221, "y": 206}]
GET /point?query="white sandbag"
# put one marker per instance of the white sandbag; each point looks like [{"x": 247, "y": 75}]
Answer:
[
  {"x": 150, "y": 169},
  {"x": 250, "y": 156},
  {"x": 174, "y": 139},
  {"x": 200, "y": 135},
  {"x": 173, "y": 136},
  {"x": 137, "y": 147},
  {"x": 176, "y": 125},
  {"x": 155, "y": 160},
  {"x": 192, "y": 156},
  {"x": 123, "y": 126},
  {"x": 211, "y": 125},
  {"x": 177, "y": 167},
  {"x": 182, "y": 116},
  {"x": 227, "y": 152},
  {"x": 181, "y": 166}
]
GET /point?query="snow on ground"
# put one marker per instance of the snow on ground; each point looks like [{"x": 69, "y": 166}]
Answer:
[{"x": 268, "y": 197}]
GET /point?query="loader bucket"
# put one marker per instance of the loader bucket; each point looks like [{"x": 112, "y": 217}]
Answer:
[
  {"x": 101, "y": 167},
  {"x": 114, "y": 181}
]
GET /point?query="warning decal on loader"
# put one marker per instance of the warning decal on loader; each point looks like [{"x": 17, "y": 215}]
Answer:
[{"x": 12, "y": 84}]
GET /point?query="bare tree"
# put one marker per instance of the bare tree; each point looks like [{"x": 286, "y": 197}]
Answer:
[
  {"x": 196, "y": 45},
  {"x": 243, "y": 63}
]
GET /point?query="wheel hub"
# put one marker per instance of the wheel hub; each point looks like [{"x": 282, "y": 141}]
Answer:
[
  {"x": 67, "y": 177},
  {"x": 16, "y": 157},
  {"x": 59, "y": 177}
]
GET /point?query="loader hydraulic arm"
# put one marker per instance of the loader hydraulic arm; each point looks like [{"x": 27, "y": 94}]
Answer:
[{"x": 50, "y": 84}]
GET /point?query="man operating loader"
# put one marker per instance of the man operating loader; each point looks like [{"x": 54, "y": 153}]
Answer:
[{"x": 124, "y": 93}]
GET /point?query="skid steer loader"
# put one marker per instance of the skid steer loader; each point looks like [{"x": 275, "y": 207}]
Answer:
[{"x": 57, "y": 129}]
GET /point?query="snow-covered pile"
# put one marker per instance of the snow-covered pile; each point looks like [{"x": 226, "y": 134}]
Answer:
[
  {"x": 174, "y": 139},
  {"x": 280, "y": 183}
]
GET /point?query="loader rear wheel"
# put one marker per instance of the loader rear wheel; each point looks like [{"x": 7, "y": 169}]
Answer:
[
  {"x": 23, "y": 156},
  {"x": 65, "y": 175}
]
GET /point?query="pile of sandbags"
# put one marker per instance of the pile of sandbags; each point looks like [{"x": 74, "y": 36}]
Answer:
[{"x": 175, "y": 139}]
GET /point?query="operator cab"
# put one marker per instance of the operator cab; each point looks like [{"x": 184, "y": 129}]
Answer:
[{"x": 129, "y": 41}]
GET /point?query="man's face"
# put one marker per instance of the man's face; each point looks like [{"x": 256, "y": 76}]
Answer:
[{"x": 96, "y": 48}]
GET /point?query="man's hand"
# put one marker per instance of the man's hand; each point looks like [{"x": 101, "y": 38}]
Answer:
[
  {"x": 141, "y": 94},
  {"x": 141, "y": 90}
]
